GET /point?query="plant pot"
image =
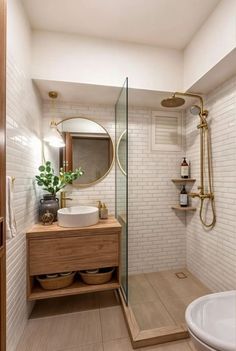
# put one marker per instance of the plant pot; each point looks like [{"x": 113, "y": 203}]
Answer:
[{"x": 49, "y": 203}]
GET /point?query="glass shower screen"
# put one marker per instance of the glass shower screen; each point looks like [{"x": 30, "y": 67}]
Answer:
[{"x": 121, "y": 138}]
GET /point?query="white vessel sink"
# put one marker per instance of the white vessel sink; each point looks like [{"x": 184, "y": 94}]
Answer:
[{"x": 78, "y": 216}]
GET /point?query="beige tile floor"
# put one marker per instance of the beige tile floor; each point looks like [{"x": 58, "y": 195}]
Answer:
[
  {"x": 159, "y": 299},
  {"x": 95, "y": 322}
]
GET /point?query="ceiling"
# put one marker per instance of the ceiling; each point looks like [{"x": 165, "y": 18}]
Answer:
[
  {"x": 163, "y": 23},
  {"x": 102, "y": 95}
]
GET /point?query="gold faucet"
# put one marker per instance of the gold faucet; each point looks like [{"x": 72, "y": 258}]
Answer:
[{"x": 63, "y": 199}]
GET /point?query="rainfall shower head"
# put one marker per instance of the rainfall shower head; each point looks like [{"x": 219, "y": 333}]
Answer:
[
  {"x": 195, "y": 110},
  {"x": 173, "y": 101}
]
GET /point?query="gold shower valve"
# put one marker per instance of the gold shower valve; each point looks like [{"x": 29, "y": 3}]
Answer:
[
  {"x": 193, "y": 195},
  {"x": 202, "y": 196},
  {"x": 206, "y": 196}
]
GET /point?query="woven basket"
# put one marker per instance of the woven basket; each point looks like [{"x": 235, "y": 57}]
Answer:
[
  {"x": 56, "y": 283},
  {"x": 101, "y": 277}
]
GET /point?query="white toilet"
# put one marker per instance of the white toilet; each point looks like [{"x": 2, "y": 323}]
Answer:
[{"x": 211, "y": 320}]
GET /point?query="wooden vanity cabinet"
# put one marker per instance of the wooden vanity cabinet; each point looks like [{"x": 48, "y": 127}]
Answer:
[{"x": 53, "y": 249}]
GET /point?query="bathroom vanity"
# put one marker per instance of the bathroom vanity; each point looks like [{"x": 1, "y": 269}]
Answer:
[{"x": 53, "y": 249}]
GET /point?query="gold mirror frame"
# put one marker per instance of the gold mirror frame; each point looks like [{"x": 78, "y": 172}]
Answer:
[
  {"x": 113, "y": 150},
  {"x": 117, "y": 152}
]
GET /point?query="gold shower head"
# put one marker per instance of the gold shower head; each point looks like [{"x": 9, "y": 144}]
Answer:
[{"x": 173, "y": 101}]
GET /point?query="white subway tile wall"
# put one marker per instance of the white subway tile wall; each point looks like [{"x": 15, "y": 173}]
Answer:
[
  {"x": 24, "y": 154},
  {"x": 156, "y": 232},
  {"x": 211, "y": 255}
]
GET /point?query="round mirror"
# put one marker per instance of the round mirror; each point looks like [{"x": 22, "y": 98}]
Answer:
[
  {"x": 87, "y": 145},
  {"x": 121, "y": 152}
]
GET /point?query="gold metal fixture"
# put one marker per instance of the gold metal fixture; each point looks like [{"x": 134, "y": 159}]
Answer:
[
  {"x": 173, "y": 101},
  {"x": 54, "y": 138},
  {"x": 64, "y": 199},
  {"x": 205, "y": 152},
  {"x": 181, "y": 275},
  {"x": 53, "y": 94}
]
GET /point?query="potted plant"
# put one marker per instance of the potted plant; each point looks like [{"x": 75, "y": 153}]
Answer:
[{"x": 52, "y": 184}]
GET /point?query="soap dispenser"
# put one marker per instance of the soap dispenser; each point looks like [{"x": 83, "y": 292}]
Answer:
[{"x": 104, "y": 212}]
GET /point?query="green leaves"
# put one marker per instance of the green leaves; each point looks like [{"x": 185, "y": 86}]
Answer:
[
  {"x": 69, "y": 177},
  {"x": 53, "y": 183},
  {"x": 42, "y": 168},
  {"x": 55, "y": 180}
]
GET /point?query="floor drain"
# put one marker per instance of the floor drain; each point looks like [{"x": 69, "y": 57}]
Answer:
[{"x": 181, "y": 275}]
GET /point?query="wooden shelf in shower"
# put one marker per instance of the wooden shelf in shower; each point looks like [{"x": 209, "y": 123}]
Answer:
[
  {"x": 179, "y": 208},
  {"x": 183, "y": 180}
]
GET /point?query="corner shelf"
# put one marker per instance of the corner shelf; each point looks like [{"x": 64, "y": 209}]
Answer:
[
  {"x": 183, "y": 180},
  {"x": 188, "y": 208}
]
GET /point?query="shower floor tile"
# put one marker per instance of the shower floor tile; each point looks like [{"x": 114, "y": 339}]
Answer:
[
  {"x": 160, "y": 299},
  {"x": 140, "y": 289}
]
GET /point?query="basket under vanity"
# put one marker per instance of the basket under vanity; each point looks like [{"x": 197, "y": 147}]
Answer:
[{"x": 53, "y": 249}]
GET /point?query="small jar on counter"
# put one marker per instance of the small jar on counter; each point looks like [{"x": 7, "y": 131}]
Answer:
[{"x": 104, "y": 212}]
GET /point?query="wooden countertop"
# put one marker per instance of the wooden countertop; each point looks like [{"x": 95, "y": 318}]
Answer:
[{"x": 104, "y": 226}]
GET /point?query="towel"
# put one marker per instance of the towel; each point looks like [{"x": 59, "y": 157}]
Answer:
[{"x": 10, "y": 215}]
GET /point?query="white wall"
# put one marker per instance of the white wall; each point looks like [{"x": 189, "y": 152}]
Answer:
[
  {"x": 89, "y": 60},
  {"x": 23, "y": 156},
  {"x": 211, "y": 255},
  {"x": 76, "y": 58},
  {"x": 212, "y": 43}
]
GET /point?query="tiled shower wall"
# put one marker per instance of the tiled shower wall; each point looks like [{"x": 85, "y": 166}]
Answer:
[
  {"x": 23, "y": 148},
  {"x": 211, "y": 255},
  {"x": 156, "y": 233}
]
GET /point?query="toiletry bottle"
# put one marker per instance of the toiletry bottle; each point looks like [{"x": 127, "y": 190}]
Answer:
[
  {"x": 184, "y": 169},
  {"x": 183, "y": 198},
  {"x": 99, "y": 208},
  {"x": 104, "y": 212}
]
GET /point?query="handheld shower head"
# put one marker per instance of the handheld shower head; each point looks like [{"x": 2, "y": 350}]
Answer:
[{"x": 195, "y": 110}]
